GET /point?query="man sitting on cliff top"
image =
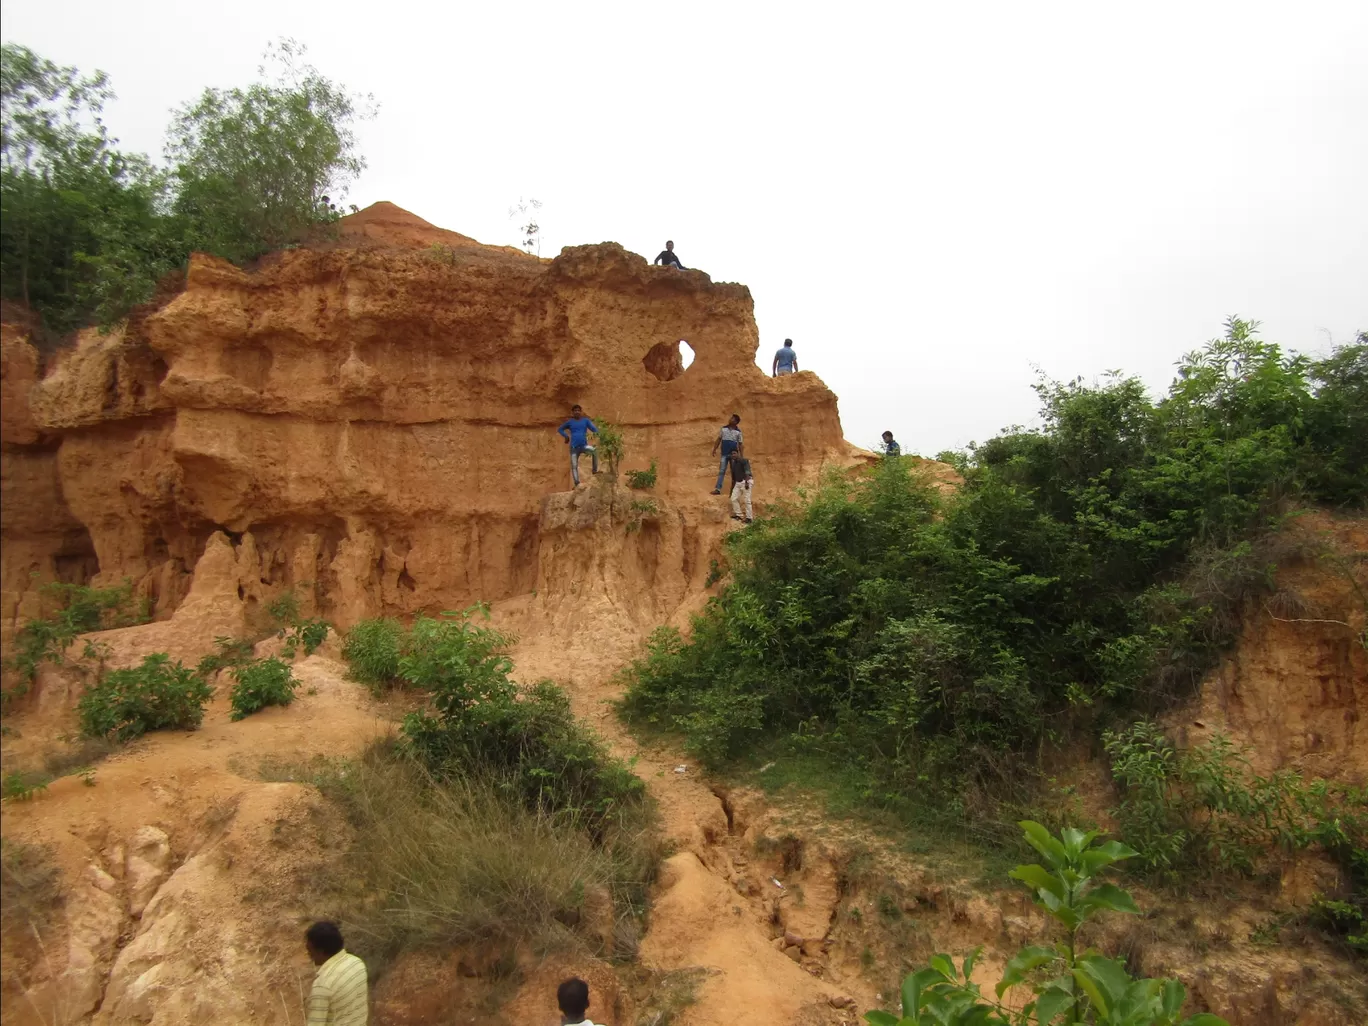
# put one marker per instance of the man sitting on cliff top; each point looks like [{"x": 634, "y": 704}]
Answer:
[
  {"x": 729, "y": 438},
  {"x": 668, "y": 257},
  {"x": 338, "y": 997},
  {"x": 575, "y": 431}
]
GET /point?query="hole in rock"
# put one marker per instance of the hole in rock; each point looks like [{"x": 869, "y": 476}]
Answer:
[{"x": 668, "y": 360}]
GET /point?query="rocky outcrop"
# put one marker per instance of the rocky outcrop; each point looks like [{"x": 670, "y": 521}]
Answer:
[{"x": 379, "y": 415}]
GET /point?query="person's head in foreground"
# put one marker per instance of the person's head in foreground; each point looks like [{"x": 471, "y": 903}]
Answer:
[
  {"x": 323, "y": 940},
  {"x": 573, "y": 998},
  {"x": 670, "y": 245},
  {"x": 577, "y": 410},
  {"x": 888, "y": 436}
]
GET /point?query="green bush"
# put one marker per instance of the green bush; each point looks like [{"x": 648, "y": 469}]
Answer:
[
  {"x": 259, "y": 684},
  {"x": 1203, "y": 809},
  {"x": 610, "y": 446},
  {"x": 642, "y": 478},
  {"x": 79, "y": 610},
  {"x": 1081, "y": 985},
  {"x": 1088, "y": 572},
  {"x": 228, "y": 652},
  {"x": 305, "y": 634},
  {"x": 526, "y": 741},
  {"x": 371, "y": 650},
  {"x": 158, "y": 695}
]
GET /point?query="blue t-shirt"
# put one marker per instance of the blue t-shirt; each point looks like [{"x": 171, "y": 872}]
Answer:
[
  {"x": 786, "y": 357},
  {"x": 579, "y": 429}
]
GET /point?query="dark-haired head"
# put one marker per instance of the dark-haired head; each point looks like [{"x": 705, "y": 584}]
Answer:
[
  {"x": 577, "y": 408},
  {"x": 888, "y": 436},
  {"x": 736, "y": 418},
  {"x": 323, "y": 940},
  {"x": 669, "y": 244},
  {"x": 573, "y": 998},
  {"x": 788, "y": 342}
]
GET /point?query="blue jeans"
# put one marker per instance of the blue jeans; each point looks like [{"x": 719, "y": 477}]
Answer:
[
  {"x": 722, "y": 470},
  {"x": 575, "y": 452}
]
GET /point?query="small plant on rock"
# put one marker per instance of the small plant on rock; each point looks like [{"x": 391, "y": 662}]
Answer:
[
  {"x": 610, "y": 446},
  {"x": 642, "y": 478},
  {"x": 158, "y": 695},
  {"x": 306, "y": 634},
  {"x": 1079, "y": 987},
  {"x": 259, "y": 684},
  {"x": 228, "y": 652}
]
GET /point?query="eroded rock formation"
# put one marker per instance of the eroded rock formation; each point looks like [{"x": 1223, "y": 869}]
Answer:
[{"x": 379, "y": 413}]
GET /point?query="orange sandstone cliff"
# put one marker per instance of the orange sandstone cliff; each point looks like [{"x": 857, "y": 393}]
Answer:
[{"x": 374, "y": 418}]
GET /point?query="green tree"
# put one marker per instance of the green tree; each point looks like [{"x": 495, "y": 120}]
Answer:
[
  {"x": 257, "y": 168},
  {"x": 82, "y": 233}
]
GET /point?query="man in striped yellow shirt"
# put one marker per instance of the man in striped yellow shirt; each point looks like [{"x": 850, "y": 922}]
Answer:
[{"x": 338, "y": 997}]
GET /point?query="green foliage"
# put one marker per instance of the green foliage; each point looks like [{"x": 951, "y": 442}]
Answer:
[
  {"x": 259, "y": 684},
  {"x": 639, "y": 510},
  {"x": 1067, "y": 985},
  {"x": 1202, "y": 809},
  {"x": 82, "y": 234},
  {"x": 284, "y": 608},
  {"x": 229, "y": 652},
  {"x": 1092, "y": 570},
  {"x": 1347, "y": 920},
  {"x": 610, "y": 445},
  {"x": 158, "y": 695},
  {"x": 526, "y": 741},
  {"x": 79, "y": 610},
  {"x": 642, "y": 478},
  {"x": 88, "y": 231},
  {"x": 254, "y": 167},
  {"x": 714, "y": 573},
  {"x": 371, "y": 650},
  {"x": 21, "y": 786},
  {"x": 305, "y": 634}
]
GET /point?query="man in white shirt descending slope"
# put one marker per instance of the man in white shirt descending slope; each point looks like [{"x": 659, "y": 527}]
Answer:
[{"x": 573, "y": 998}]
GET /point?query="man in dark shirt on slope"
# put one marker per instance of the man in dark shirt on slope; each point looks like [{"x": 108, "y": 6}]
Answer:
[{"x": 668, "y": 257}]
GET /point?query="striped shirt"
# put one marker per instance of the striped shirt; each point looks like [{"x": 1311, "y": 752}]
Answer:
[{"x": 338, "y": 997}]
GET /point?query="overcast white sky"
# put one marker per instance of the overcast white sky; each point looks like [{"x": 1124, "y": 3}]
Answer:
[{"x": 930, "y": 199}]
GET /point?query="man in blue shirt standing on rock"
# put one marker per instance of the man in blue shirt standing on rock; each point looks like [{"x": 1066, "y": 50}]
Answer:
[
  {"x": 575, "y": 431},
  {"x": 785, "y": 361}
]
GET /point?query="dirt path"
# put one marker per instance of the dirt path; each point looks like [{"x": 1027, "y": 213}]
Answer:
[{"x": 716, "y": 906}]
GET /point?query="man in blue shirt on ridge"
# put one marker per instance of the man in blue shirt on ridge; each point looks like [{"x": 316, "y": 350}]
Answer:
[{"x": 575, "y": 431}]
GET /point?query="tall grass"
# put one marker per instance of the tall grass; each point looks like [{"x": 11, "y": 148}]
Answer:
[{"x": 456, "y": 862}]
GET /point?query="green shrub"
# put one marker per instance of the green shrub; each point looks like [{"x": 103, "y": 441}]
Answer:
[
  {"x": 79, "y": 610},
  {"x": 1201, "y": 809},
  {"x": 642, "y": 478},
  {"x": 305, "y": 634},
  {"x": 284, "y": 609},
  {"x": 228, "y": 652},
  {"x": 259, "y": 684},
  {"x": 1085, "y": 573},
  {"x": 21, "y": 786},
  {"x": 610, "y": 446},
  {"x": 158, "y": 695},
  {"x": 1082, "y": 985},
  {"x": 371, "y": 650},
  {"x": 526, "y": 741}
]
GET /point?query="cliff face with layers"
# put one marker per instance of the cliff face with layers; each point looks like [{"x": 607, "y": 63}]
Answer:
[{"x": 377, "y": 413}]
